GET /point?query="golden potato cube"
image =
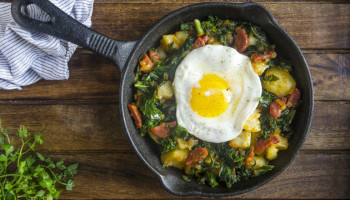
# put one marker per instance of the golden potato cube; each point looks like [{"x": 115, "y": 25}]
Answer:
[
  {"x": 165, "y": 91},
  {"x": 241, "y": 141},
  {"x": 167, "y": 41},
  {"x": 252, "y": 40},
  {"x": 258, "y": 161},
  {"x": 175, "y": 158},
  {"x": 281, "y": 87},
  {"x": 213, "y": 41},
  {"x": 182, "y": 144},
  {"x": 253, "y": 139},
  {"x": 271, "y": 152},
  {"x": 283, "y": 144},
  {"x": 181, "y": 37},
  {"x": 161, "y": 52},
  {"x": 252, "y": 124},
  {"x": 259, "y": 67}
]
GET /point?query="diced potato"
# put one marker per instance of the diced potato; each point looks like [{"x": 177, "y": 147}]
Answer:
[
  {"x": 181, "y": 37},
  {"x": 283, "y": 144},
  {"x": 213, "y": 41},
  {"x": 281, "y": 87},
  {"x": 253, "y": 139},
  {"x": 165, "y": 91},
  {"x": 175, "y": 158},
  {"x": 271, "y": 152},
  {"x": 167, "y": 41},
  {"x": 258, "y": 161},
  {"x": 253, "y": 123},
  {"x": 259, "y": 67},
  {"x": 175, "y": 41},
  {"x": 162, "y": 54},
  {"x": 241, "y": 141},
  {"x": 216, "y": 43},
  {"x": 252, "y": 40},
  {"x": 260, "y": 153},
  {"x": 188, "y": 169},
  {"x": 181, "y": 144}
]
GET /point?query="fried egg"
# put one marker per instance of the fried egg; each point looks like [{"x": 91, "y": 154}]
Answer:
[{"x": 216, "y": 89}]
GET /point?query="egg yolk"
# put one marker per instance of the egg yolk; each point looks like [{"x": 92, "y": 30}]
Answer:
[{"x": 212, "y": 97}]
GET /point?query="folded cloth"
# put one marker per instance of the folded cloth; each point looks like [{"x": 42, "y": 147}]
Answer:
[{"x": 27, "y": 56}]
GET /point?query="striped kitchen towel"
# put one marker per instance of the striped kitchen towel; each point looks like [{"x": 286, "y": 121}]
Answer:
[{"x": 26, "y": 57}]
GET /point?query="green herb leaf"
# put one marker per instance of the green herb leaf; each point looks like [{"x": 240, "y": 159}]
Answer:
[
  {"x": 71, "y": 170},
  {"x": 29, "y": 179},
  {"x": 271, "y": 78},
  {"x": 266, "y": 98},
  {"x": 264, "y": 169},
  {"x": 186, "y": 178},
  {"x": 258, "y": 33},
  {"x": 8, "y": 148}
]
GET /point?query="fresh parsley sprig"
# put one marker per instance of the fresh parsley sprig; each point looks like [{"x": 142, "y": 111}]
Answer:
[{"x": 25, "y": 175}]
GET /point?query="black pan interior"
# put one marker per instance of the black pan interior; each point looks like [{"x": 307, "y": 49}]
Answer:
[{"x": 251, "y": 12}]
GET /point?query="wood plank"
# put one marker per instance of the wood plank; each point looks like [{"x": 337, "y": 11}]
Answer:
[
  {"x": 115, "y": 176},
  {"x": 127, "y": 22},
  {"x": 330, "y": 75},
  {"x": 98, "y": 127},
  {"x": 93, "y": 77}
]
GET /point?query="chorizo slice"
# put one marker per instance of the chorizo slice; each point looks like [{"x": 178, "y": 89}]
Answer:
[
  {"x": 241, "y": 40},
  {"x": 201, "y": 41},
  {"x": 196, "y": 155},
  {"x": 258, "y": 57},
  {"x": 162, "y": 130},
  {"x": 135, "y": 113},
  {"x": 262, "y": 143},
  {"x": 277, "y": 106},
  {"x": 294, "y": 98},
  {"x": 146, "y": 64}
]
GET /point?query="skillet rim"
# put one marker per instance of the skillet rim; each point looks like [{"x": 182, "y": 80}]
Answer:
[{"x": 124, "y": 111}]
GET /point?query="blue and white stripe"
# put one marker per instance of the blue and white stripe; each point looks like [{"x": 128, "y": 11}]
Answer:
[{"x": 26, "y": 57}]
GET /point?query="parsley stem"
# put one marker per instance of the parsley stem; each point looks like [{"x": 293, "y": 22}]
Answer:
[
  {"x": 54, "y": 175},
  {"x": 7, "y": 175}
]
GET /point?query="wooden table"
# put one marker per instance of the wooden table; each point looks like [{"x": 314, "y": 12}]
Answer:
[{"x": 80, "y": 117}]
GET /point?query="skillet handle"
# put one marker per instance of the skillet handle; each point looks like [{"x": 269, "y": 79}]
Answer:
[{"x": 63, "y": 26}]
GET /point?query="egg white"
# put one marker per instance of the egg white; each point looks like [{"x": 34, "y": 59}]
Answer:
[{"x": 237, "y": 71}]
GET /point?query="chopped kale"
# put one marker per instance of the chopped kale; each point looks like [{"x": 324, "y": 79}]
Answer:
[
  {"x": 219, "y": 28},
  {"x": 269, "y": 78},
  {"x": 264, "y": 169},
  {"x": 167, "y": 144},
  {"x": 151, "y": 114},
  {"x": 282, "y": 123},
  {"x": 180, "y": 131},
  {"x": 186, "y": 178},
  {"x": 258, "y": 33},
  {"x": 211, "y": 179},
  {"x": 227, "y": 176},
  {"x": 169, "y": 111},
  {"x": 187, "y": 26},
  {"x": 266, "y": 98}
]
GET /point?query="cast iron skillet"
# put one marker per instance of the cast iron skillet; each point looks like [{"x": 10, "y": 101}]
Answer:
[{"x": 126, "y": 53}]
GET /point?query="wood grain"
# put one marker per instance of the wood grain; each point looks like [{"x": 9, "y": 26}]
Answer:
[
  {"x": 128, "y": 22},
  {"x": 98, "y": 127},
  {"x": 93, "y": 77},
  {"x": 123, "y": 175}
]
